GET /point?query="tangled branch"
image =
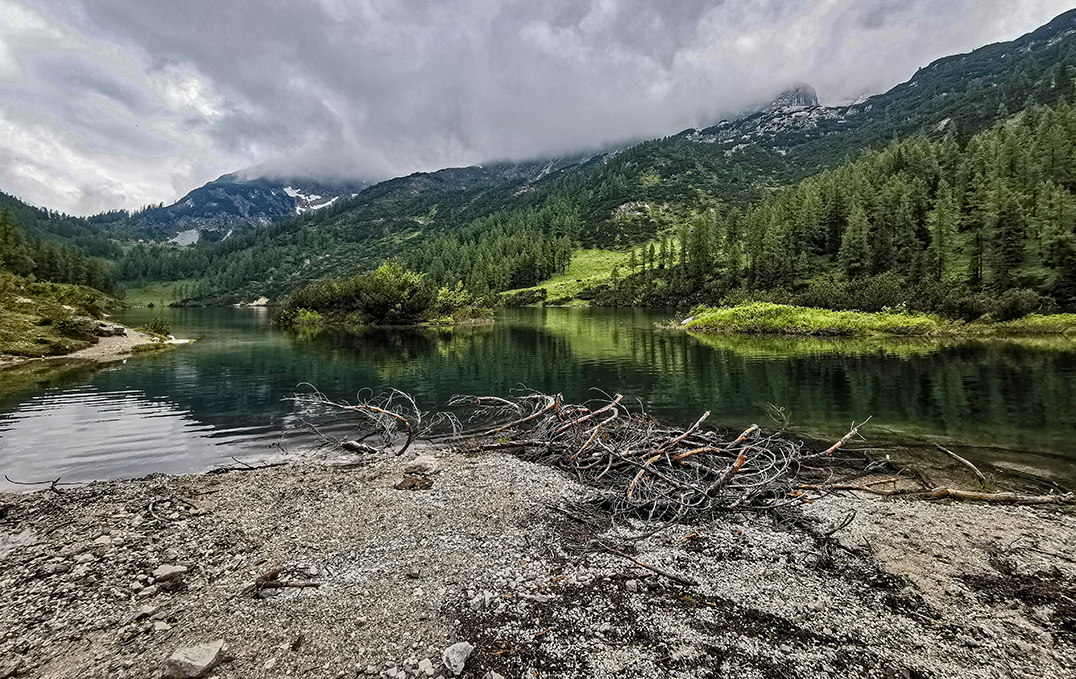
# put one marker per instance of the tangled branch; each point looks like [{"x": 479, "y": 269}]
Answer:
[
  {"x": 640, "y": 467},
  {"x": 388, "y": 418}
]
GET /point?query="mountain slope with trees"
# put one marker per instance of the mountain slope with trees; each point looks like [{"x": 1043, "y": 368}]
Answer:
[
  {"x": 510, "y": 224},
  {"x": 984, "y": 227},
  {"x": 634, "y": 195}
]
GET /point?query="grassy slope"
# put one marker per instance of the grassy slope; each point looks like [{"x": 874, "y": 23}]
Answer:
[
  {"x": 158, "y": 294},
  {"x": 588, "y": 268},
  {"x": 31, "y": 315}
]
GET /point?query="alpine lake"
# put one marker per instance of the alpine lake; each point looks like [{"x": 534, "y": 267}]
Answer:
[{"x": 1009, "y": 406}]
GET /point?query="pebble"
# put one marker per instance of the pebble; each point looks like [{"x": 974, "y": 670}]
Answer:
[{"x": 167, "y": 572}]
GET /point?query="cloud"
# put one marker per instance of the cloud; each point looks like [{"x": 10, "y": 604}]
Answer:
[{"x": 109, "y": 103}]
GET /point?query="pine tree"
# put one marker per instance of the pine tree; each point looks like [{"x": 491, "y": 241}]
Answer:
[{"x": 855, "y": 252}]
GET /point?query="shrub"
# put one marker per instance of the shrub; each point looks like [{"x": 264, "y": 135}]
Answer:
[
  {"x": 75, "y": 327},
  {"x": 1019, "y": 302},
  {"x": 390, "y": 295},
  {"x": 157, "y": 326},
  {"x": 308, "y": 317}
]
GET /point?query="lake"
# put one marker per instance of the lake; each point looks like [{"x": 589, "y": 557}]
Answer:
[{"x": 1010, "y": 405}]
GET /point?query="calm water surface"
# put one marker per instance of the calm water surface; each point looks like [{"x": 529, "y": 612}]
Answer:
[{"x": 1010, "y": 405}]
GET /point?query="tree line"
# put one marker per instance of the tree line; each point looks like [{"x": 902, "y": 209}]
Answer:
[
  {"x": 929, "y": 223},
  {"x": 50, "y": 260}
]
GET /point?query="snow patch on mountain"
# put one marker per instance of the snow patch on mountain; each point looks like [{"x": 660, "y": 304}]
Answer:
[{"x": 306, "y": 202}]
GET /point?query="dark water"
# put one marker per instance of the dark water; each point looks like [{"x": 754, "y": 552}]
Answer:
[{"x": 1012, "y": 405}]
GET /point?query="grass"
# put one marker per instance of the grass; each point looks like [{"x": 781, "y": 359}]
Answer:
[
  {"x": 158, "y": 294},
  {"x": 764, "y": 318},
  {"x": 1037, "y": 324},
  {"x": 47, "y": 319},
  {"x": 588, "y": 268}
]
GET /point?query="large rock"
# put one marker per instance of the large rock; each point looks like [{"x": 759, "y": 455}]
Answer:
[
  {"x": 168, "y": 572},
  {"x": 455, "y": 656},
  {"x": 423, "y": 464},
  {"x": 191, "y": 662}
]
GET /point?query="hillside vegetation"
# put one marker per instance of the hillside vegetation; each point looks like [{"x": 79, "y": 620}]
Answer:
[
  {"x": 707, "y": 211},
  {"x": 987, "y": 227}
]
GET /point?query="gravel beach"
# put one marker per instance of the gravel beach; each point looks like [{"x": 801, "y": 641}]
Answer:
[{"x": 375, "y": 565}]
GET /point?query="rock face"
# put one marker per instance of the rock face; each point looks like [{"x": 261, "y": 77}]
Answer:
[
  {"x": 191, "y": 662},
  {"x": 800, "y": 96}
]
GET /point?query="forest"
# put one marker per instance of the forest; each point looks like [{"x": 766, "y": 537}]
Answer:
[{"x": 987, "y": 227}]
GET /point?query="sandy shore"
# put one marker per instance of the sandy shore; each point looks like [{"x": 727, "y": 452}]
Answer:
[
  {"x": 106, "y": 349},
  {"x": 327, "y": 569}
]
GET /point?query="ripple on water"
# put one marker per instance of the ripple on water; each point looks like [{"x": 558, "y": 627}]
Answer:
[{"x": 82, "y": 434}]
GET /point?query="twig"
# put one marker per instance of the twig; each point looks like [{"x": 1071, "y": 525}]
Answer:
[
  {"x": 982, "y": 479},
  {"x": 844, "y": 439},
  {"x": 54, "y": 485},
  {"x": 672, "y": 576},
  {"x": 842, "y": 525}
]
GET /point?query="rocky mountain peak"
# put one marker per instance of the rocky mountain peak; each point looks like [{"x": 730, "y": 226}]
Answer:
[{"x": 799, "y": 96}]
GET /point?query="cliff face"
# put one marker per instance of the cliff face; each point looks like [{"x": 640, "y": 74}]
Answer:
[{"x": 800, "y": 96}]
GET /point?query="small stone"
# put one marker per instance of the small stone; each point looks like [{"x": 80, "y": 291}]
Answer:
[
  {"x": 103, "y": 540},
  {"x": 411, "y": 482},
  {"x": 146, "y": 611},
  {"x": 167, "y": 572},
  {"x": 55, "y": 568},
  {"x": 414, "y": 573},
  {"x": 425, "y": 666},
  {"x": 784, "y": 648},
  {"x": 161, "y": 626},
  {"x": 371, "y": 669},
  {"x": 269, "y": 664},
  {"x": 455, "y": 656},
  {"x": 424, "y": 464},
  {"x": 632, "y": 585},
  {"x": 492, "y": 675},
  {"x": 191, "y": 662},
  {"x": 147, "y": 592}
]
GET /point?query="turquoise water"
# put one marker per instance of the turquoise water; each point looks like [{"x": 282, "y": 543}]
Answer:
[{"x": 1011, "y": 405}]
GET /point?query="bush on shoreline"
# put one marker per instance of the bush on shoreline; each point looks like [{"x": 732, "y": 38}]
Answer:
[{"x": 389, "y": 295}]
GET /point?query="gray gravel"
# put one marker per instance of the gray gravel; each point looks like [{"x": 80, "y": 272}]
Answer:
[{"x": 110, "y": 579}]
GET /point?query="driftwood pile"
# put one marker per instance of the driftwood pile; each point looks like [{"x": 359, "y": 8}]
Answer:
[{"x": 640, "y": 467}]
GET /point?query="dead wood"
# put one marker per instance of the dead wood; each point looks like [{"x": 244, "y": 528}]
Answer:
[
  {"x": 640, "y": 468},
  {"x": 982, "y": 479},
  {"x": 664, "y": 573},
  {"x": 942, "y": 492}
]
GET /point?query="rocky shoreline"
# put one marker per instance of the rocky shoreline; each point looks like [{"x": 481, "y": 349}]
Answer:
[
  {"x": 121, "y": 345},
  {"x": 376, "y": 565}
]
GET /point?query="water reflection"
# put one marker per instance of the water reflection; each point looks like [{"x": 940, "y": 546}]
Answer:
[{"x": 225, "y": 394}]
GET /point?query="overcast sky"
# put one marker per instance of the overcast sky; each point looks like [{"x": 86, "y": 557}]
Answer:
[{"x": 108, "y": 104}]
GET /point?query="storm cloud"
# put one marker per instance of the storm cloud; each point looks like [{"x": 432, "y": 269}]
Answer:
[{"x": 110, "y": 104}]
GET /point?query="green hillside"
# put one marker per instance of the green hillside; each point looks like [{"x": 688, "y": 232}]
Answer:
[{"x": 507, "y": 226}]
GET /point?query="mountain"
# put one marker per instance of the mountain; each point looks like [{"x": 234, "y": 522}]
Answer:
[
  {"x": 614, "y": 198},
  {"x": 234, "y": 199}
]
